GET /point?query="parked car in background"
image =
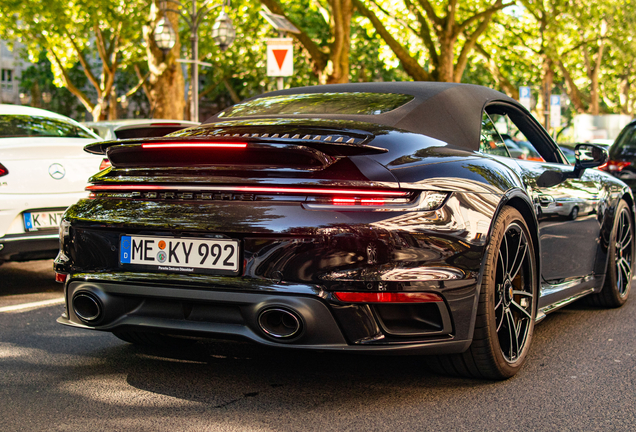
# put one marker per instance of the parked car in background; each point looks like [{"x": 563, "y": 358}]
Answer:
[
  {"x": 520, "y": 149},
  {"x": 137, "y": 128},
  {"x": 570, "y": 207},
  {"x": 369, "y": 217},
  {"x": 622, "y": 156},
  {"x": 43, "y": 170}
]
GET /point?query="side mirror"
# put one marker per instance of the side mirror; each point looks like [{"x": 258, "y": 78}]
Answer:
[{"x": 588, "y": 156}]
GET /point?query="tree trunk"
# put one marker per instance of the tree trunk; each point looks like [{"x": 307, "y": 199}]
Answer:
[
  {"x": 36, "y": 95},
  {"x": 165, "y": 83},
  {"x": 112, "y": 104},
  {"x": 341, "y": 13},
  {"x": 547, "y": 82},
  {"x": 445, "y": 69},
  {"x": 625, "y": 95}
]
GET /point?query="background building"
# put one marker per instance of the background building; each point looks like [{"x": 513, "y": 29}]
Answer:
[{"x": 11, "y": 67}]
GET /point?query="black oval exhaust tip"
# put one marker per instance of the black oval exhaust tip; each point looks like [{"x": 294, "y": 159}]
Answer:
[
  {"x": 87, "y": 307},
  {"x": 280, "y": 323}
]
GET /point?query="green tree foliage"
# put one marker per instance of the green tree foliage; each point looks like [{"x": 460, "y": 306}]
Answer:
[
  {"x": 582, "y": 48},
  {"x": 100, "y": 35},
  {"x": 445, "y": 33},
  {"x": 37, "y": 83}
]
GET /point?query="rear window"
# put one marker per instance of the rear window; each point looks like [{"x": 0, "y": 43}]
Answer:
[
  {"x": 12, "y": 126},
  {"x": 320, "y": 103}
]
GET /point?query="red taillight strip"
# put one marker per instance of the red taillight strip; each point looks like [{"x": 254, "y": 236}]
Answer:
[
  {"x": 3, "y": 170},
  {"x": 193, "y": 145},
  {"x": 344, "y": 201},
  {"x": 250, "y": 189},
  {"x": 387, "y": 297}
]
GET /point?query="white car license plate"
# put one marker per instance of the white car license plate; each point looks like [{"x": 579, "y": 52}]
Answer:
[
  {"x": 187, "y": 255},
  {"x": 34, "y": 221}
]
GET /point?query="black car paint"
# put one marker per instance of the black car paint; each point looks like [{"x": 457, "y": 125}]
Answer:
[{"x": 296, "y": 256}]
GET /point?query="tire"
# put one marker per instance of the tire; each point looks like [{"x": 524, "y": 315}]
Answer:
[
  {"x": 153, "y": 339},
  {"x": 620, "y": 262},
  {"x": 574, "y": 213},
  {"x": 507, "y": 305}
]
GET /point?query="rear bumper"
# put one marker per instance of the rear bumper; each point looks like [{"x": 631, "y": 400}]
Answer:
[
  {"x": 235, "y": 315},
  {"x": 29, "y": 246}
]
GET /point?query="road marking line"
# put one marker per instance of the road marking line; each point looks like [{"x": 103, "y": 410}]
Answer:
[{"x": 32, "y": 305}]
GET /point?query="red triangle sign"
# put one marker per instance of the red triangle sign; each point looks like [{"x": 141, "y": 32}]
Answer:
[{"x": 280, "y": 55}]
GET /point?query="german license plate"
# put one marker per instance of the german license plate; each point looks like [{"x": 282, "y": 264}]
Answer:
[
  {"x": 184, "y": 255},
  {"x": 34, "y": 221}
]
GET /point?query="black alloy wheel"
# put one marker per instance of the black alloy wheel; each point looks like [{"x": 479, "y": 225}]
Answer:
[
  {"x": 620, "y": 261},
  {"x": 623, "y": 253},
  {"x": 514, "y": 299},
  {"x": 507, "y": 305}
]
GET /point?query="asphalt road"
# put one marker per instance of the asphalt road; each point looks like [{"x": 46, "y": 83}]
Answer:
[{"x": 580, "y": 376}]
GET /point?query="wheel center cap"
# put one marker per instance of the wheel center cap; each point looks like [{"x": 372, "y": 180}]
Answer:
[{"x": 507, "y": 292}]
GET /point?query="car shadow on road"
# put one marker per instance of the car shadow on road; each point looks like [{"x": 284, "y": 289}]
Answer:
[
  {"x": 221, "y": 373},
  {"x": 28, "y": 278}
]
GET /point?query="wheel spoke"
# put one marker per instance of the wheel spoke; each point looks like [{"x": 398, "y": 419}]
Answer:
[
  {"x": 522, "y": 293},
  {"x": 624, "y": 245},
  {"x": 625, "y": 231},
  {"x": 626, "y": 270},
  {"x": 514, "y": 260},
  {"x": 512, "y": 330},
  {"x": 503, "y": 314},
  {"x": 516, "y": 267},
  {"x": 521, "y": 309},
  {"x": 499, "y": 303},
  {"x": 503, "y": 266},
  {"x": 505, "y": 269},
  {"x": 619, "y": 229}
]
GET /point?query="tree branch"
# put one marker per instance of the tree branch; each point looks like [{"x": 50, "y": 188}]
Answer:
[
  {"x": 498, "y": 5},
  {"x": 469, "y": 45},
  {"x": 142, "y": 80},
  {"x": 134, "y": 90},
  {"x": 87, "y": 69},
  {"x": 578, "y": 99},
  {"x": 430, "y": 12},
  {"x": 425, "y": 32},
  {"x": 69, "y": 84},
  {"x": 509, "y": 88},
  {"x": 410, "y": 65},
  {"x": 235, "y": 98}
]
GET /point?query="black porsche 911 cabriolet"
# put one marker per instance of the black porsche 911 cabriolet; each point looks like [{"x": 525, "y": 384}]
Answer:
[{"x": 377, "y": 217}]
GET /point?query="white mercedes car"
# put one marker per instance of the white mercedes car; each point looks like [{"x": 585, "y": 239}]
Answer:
[{"x": 43, "y": 170}]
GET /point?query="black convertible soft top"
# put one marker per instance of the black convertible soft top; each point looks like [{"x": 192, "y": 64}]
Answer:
[{"x": 449, "y": 112}]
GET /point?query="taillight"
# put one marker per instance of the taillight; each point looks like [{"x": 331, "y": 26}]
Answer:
[
  {"x": 189, "y": 145},
  {"x": 387, "y": 297},
  {"x": 105, "y": 164},
  {"x": 359, "y": 201},
  {"x": 253, "y": 189},
  {"x": 614, "y": 166},
  {"x": 3, "y": 171}
]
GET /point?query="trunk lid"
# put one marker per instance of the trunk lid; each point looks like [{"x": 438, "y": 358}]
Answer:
[{"x": 46, "y": 165}]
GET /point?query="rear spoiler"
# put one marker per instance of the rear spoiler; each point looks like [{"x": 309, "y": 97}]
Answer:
[{"x": 330, "y": 142}]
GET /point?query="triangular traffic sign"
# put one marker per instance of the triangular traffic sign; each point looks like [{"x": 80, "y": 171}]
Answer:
[{"x": 280, "y": 55}]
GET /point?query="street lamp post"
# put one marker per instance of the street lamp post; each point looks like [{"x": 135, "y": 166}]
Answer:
[{"x": 223, "y": 34}]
